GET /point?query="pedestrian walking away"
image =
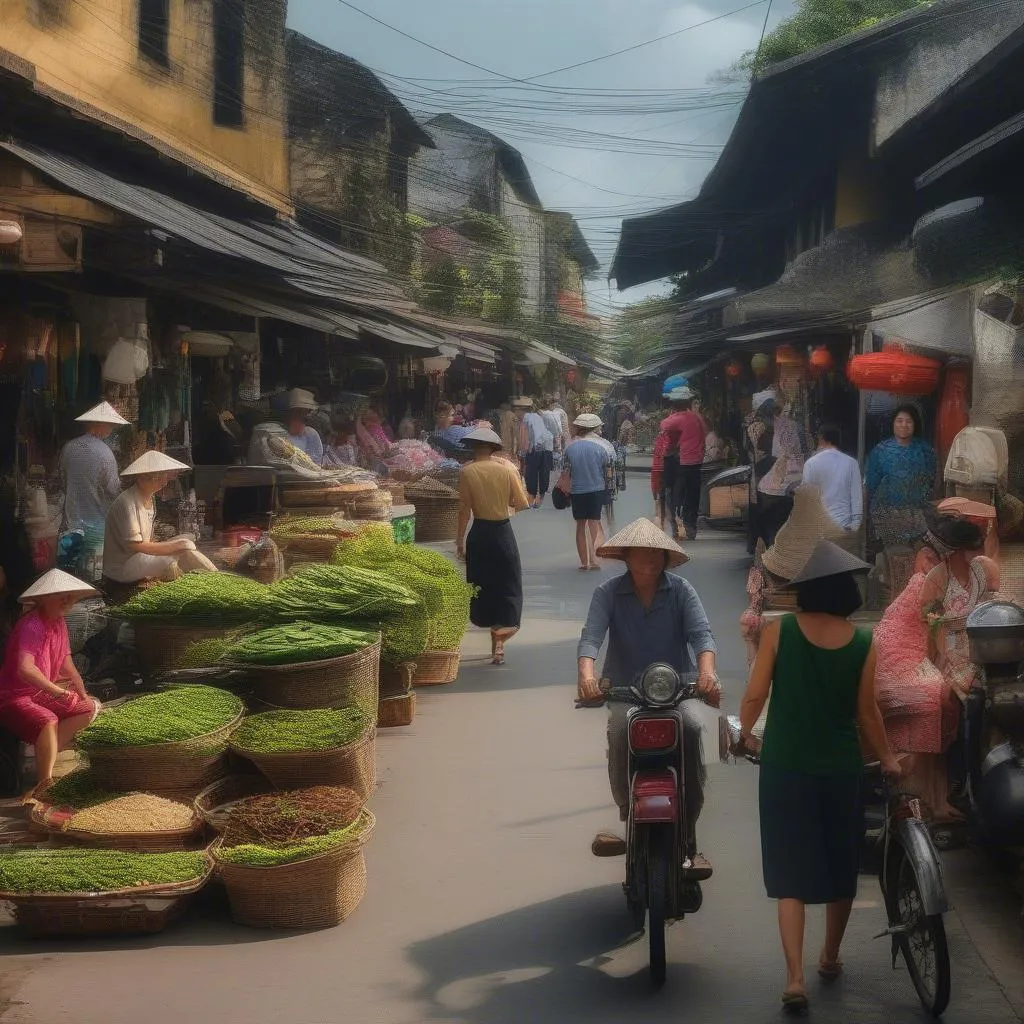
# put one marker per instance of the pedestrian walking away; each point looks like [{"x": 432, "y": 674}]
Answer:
[
  {"x": 609, "y": 491},
  {"x": 488, "y": 488},
  {"x": 649, "y": 615},
  {"x": 686, "y": 433},
  {"x": 589, "y": 469},
  {"x": 535, "y": 445},
  {"x": 820, "y": 672},
  {"x": 837, "y": 476}
]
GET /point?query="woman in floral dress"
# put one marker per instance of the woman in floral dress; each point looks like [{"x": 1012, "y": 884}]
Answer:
[{"x": 923, "y": 657}]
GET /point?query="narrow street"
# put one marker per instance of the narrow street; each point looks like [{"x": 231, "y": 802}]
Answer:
[{"x": 485, "y": 905}]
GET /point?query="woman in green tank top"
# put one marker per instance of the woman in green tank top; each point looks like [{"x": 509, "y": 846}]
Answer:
[{"x": 820, "y": 672}]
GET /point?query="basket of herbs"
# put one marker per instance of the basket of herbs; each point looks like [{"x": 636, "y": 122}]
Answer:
[
  {"x": 301, "y": 664},
  {"x": 328, "y": 747},
  {"x": 162, "y": 742},
  {"x": 216, "y": 802},
  {"x": 169, "y": 617},
  {"x": 295, "y": 859},
  {"x": 77, "y": 891},
  {"x": 77, "y": 809}
]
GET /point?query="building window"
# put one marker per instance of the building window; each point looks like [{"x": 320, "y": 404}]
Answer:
[
  {"x": 229, "y": 63},
  {"x": 154, "y": 27}
]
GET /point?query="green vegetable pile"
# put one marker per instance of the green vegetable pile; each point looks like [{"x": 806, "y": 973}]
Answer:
[
  {"x": 446, "y": 596},
  {"x": 282, "y": 645},
  {"x": 298, "y": 525},
  {"x": 81, "y": 870},
  {"x": 275, "y": 732},
  {"x": 256, "y": 856},
  {"x": 172, "y": 716},
  {"x": 77, "y": 790},
  {"x": 317, "y": 593},
  {"x": 213, "y": 596}
]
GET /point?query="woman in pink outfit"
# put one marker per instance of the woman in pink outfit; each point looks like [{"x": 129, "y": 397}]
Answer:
[{"x": 923, "y": 665}]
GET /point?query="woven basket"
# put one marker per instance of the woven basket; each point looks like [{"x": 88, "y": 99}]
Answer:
[
  {"x": 143, "y": 910},
  {"x": 162, "y": 643},
  {"x": 166, "y": 841},
  {"x": 164, "y": 768},
  {"x": 437, "y": 519},
  {"x": 397, "y": 491},
  {"x": 216, "y": 802},
  {"x": 353, "y": 765},
  {"x": 393, "y": 712},
  {"x": 332, "y": 683},
  {"x": 318, "y": 892},
  {"x": 435, "y": 668},
  {"x": 396, "y": 680}
]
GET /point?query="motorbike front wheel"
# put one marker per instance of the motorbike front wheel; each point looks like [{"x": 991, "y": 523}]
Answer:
[{"x": 659, "y": 853}]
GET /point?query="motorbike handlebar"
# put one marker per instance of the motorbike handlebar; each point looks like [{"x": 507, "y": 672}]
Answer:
[{"x": 631, "y": 695}]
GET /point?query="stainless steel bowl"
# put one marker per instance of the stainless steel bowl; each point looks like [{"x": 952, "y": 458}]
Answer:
[{"x": 996, "y": 632}]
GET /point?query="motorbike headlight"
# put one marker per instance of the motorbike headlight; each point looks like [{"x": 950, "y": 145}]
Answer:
[{"x": 660, "y": 684}]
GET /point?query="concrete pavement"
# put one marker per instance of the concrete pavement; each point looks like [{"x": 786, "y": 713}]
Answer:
[{"x": 484, "y": 904}]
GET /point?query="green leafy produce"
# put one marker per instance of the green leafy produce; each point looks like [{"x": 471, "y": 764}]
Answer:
[
  {"x": 212, "y": 596},
  {"x": 172, "y": 716},
  {"x": 284, "y": 731},
  {"x": 203, "y": 653},
  {"x": 257, "y": 856},
  {"x": 78, "y": 790},
  {"x": 326, "y": 593},
  {"x": 80, "y": 870},
  {"x": 297, "y": 642},
  {"x": 283, "y": 819},
  {"x": 292, "y": 527}
]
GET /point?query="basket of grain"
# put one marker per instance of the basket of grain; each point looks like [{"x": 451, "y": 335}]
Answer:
[
  {"x": 162, "y": 742},
  {"x": 328, "y": 747},
  {"x": 78, "y": 891},
  {"x": 143, "y": 822},
  {"x": 295, "y": 860}
]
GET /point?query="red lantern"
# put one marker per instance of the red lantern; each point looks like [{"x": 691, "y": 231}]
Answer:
[
  {"x": 899, "y": 373},
  {"x": 821, "y": 360},
  {"x": 733, "y": 369}
]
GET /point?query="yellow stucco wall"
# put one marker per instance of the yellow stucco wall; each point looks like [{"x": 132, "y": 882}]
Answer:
[{"x": 85, "y": 54}]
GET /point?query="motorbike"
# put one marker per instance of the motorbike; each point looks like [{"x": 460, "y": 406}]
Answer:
[
  {"x": 909, "y": 875},
  {"x": 990, "y": 756},
  {"x": 657, "y": 888}
]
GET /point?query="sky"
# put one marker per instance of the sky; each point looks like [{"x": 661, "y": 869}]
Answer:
[{"x": 646, "y": 141}]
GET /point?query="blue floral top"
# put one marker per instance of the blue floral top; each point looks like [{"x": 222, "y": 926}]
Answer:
[{"x": 901, "y": 476}]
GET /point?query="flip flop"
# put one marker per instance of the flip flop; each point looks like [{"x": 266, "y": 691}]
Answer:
[
  {"x": 594, "y": 568},
  {"x": 795, "y": 1003},
  {"x": 830, "y": 970}
]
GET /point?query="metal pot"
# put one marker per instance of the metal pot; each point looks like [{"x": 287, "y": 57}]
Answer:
[{"x": 996, "y": 632}]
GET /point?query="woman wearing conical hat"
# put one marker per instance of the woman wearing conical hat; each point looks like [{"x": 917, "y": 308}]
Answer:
[
  {"x": 129, "y": 552},
  {"x": 42, "y": 696}
]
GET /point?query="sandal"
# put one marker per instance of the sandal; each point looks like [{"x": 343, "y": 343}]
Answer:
[
  {"x": 795, "y": 1003},
  {"x": 498, "y": 656},
  {"x": 829, "y": 970}
]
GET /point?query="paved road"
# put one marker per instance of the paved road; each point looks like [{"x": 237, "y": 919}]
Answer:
[{"x": 485, "y": 905}]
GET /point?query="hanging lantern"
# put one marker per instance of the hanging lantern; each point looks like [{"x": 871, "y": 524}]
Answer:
[
  {"x": 786, "y": 355},
  {"x": 733, "y": 369},
  {"x": 760, "y": 363},
  {"x": 821, "y": 360}
]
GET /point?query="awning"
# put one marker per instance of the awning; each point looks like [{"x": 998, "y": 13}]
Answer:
[{"x": 304, "y": 261}]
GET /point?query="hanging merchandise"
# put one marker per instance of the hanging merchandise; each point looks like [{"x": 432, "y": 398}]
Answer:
[
  {"x": 978, "y": 457},
  {"x": 733, "y": 369},
  {"x": 786, "y": 355},
  {"x": 953, "y": 408},
  {"x": 821, "y": 360},
  {"x": 760, "y": 363},
  {"x": 126, "y": 362},
  {"x": 900, "y": 373}
]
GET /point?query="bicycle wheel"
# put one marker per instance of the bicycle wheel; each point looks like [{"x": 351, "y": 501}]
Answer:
[{"x": 923, "y": 944}]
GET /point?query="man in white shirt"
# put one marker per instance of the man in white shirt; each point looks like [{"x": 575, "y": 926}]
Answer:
[{"x": 837, "y": 476}]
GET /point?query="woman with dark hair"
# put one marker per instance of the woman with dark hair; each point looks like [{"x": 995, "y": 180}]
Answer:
[
  {"x": 924, "y": 659},
  {"x": 900, "y": 480},
  {"x": 820, "y": 672}
]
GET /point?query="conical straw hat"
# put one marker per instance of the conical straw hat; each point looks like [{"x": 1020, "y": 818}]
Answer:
[
  {"x": 642, "y": 534},
  {"x": 829, "y": 559},
  {"x": 300, "y": 398},
  {"x": 808, "y": 523},
  {"x": 102, "y": 413},
  {"x": 56, "y": 581},
  {"x": 155, "y": 462},
  {"x": 482, "y": 435}
]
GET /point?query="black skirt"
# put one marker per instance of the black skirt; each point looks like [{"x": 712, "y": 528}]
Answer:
[
  {"x": 811, "y": 831},
  {"x": 492, "y": 565}
]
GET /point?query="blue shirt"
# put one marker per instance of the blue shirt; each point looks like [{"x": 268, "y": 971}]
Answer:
[
  {"x": 310, "y": 443},
  {"x": 901, "y": 476},
  {"x": 674, "y": 630},
  {"x": 587, "y": 464}
]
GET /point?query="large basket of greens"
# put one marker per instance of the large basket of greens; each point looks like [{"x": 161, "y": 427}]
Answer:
[
  {"x": 295, "y": 859},
  {"x": 162, "y": 742},
  {"x": 329, "y": 747},
  {"x": 77, "y": 809},
  {"x": 302, "y": 664},
  {"x": 169, "y": 617},
  {"x": 74, "y": 891},
  {"x": 435, "y": 668}
]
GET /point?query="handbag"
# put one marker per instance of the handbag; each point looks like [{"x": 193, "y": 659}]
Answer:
[{"x": 561, "y": 493}]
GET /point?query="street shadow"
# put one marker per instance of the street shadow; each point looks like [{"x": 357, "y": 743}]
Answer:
[{"x": 530, "y": 664}]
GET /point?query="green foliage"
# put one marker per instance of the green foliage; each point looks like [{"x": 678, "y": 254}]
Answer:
[
  {"x": 641, "y": 330},
  {"x": 207, "y": 596},
  {"x": 817, "y": 22},
  {"x": 257, "y": 856},
  {"x": 286, "y": 731},
  {"x": 80, "y": 870},
  {"x": 78, "y": 790}
]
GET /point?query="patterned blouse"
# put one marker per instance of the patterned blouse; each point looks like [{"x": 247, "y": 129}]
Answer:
[{"x": 901, "y": 476}]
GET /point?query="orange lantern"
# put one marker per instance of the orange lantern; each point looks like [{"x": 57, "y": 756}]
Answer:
[
  {"x": 786, "y": 355},
  {"x": 733, "y": 369},
  {"x": 821, "y": 360}
]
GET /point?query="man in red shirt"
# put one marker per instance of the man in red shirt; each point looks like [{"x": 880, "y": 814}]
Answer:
[{"x": 686, "y": 431}]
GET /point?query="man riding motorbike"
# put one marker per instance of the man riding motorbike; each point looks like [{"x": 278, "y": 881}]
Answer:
[{"x": 648, "y": 615}]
